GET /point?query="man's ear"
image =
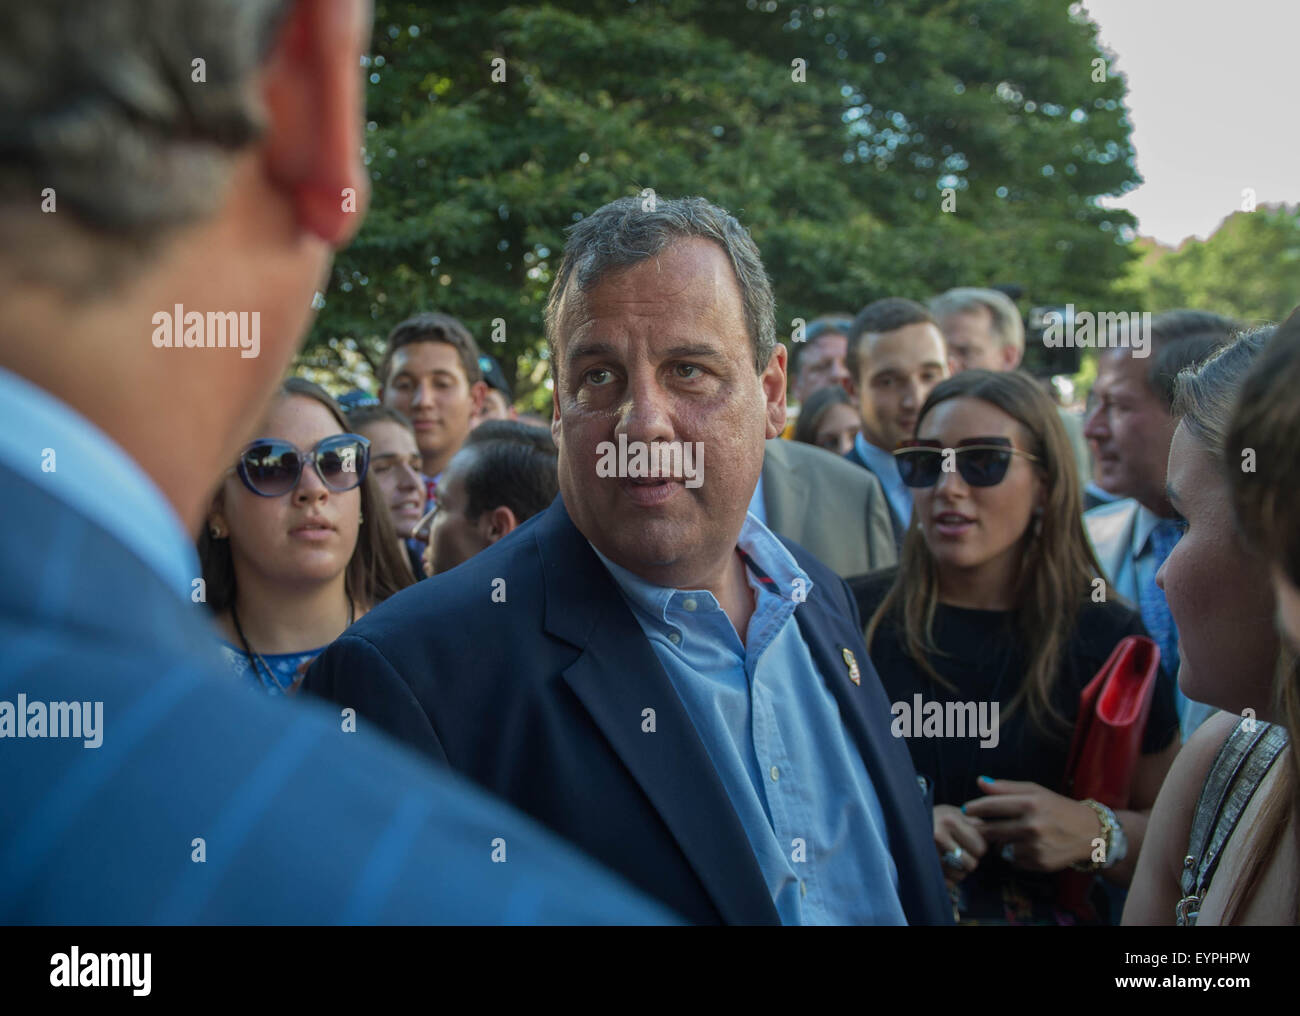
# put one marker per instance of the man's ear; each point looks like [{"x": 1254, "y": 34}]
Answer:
[
  {"x": 773, "y": 384},
  {"x": 477, "y": 393},
  {"x": 556, "y": 429},
  {"x": 499, "y": 522},
  {"x": 1011, "y": 356},
  {"x": 312, "y": 90}
]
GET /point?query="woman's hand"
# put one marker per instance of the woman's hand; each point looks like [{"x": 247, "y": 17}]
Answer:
[
  {"x": 957, "y": 833},
  {"x": 1040, "y": 830}
]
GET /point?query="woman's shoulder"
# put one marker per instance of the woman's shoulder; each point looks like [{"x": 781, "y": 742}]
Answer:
[
  {"x": 1256, "y": 848},
  {"x": 1155, "y": 886},
  {"x": 1192, "y": 766}
]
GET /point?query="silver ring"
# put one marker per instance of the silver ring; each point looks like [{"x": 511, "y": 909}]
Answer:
[
  {"x": 1009, "y": 852},
  {"x": 952, "y": 859}
]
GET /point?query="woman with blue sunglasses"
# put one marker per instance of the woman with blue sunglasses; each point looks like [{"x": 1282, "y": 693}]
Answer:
[
  {"x": 996, "y": 612},
  {"x": 298, "y": 544}
]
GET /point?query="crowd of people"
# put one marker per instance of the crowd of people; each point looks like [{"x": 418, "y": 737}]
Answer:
[{"x": 723, "y": 701}]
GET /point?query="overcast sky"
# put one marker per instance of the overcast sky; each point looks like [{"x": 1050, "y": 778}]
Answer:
[{"x": 1213, "y": 89}]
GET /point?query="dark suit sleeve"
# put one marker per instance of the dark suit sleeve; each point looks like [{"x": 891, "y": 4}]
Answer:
[
  {"x": 851, "y": 605},
  {"x": 356, "y": 675}
]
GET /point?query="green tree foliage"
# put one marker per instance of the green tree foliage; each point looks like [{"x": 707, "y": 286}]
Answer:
[
  {"x": 1247, "y": 268},
  {"x": 835, "y": 133}
]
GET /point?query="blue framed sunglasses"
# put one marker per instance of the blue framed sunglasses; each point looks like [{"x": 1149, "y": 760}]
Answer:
[{"x": 271, "y": 467}]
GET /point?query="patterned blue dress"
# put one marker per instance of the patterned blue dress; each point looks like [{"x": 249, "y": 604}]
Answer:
[{"x": 287, "y": 669}]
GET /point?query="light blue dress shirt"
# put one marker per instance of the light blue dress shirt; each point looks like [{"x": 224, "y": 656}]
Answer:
[
  {"x": 1191, "y": 714},
  {"x": 756, "y": 506},
  {"x": 773, "y": 731},
  {"x": 882, "y": 463},
  {"x": 93, "y": 475}
]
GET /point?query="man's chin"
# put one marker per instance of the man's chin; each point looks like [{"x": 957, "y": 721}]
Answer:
[
  {"x": 1111, "y": 480},
  {"x": 657, "y": 552}
]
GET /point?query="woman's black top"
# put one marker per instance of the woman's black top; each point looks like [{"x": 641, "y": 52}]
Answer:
[{"x": 983, "y": 658}]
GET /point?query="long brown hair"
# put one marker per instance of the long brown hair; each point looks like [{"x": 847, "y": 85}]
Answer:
[
  {"x": 376, "y": 569},
  {"x": 1257, "y": 449},
  {"x": 1057, "y": 565},
  {"x": 814, "y": 408}
]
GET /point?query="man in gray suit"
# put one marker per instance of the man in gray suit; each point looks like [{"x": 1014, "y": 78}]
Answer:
[
  {"x": 826, "y": 505},
  {"x": 1130, "y": 427}
]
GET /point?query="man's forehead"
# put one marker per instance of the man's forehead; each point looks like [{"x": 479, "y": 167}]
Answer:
[
  {"x": 829, "y": 344},
  {"x": 1118, "y": 369},
  {"x": 910, "y": 345},
  {"x": 823, "y": 349},
  {"x": 428, "y": 356},
  {"x": 968, "y": 319},
  {"x": 688, "y": 280}
]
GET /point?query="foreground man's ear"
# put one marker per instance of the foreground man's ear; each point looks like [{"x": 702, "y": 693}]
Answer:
[{"x": 312, "y": 87}]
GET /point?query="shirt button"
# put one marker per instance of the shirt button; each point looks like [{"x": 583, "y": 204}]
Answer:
[
  {"x": 689, "y": 603},
  {"x": 776, "y": 773},
  {"x": 674, "y": 638},
  {"x": 803, "y": 888}
]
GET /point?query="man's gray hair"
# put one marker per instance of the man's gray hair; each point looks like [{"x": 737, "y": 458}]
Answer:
[
  {"x": 630, "y": 230},
  {"x": 1008, "y": 328},
  {"x": 98, "y": 102}
]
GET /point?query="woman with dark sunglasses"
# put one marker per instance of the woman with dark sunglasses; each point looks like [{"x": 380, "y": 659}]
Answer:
[
  {"x": 299, "y": 542},
  {"x": 995, "y": 603}
]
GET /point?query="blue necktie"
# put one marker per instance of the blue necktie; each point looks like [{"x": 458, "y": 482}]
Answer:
[{"x": 1155, "y": 609}]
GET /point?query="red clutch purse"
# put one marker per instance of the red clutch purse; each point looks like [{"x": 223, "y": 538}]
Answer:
[{"x": 1107, "y": 741}]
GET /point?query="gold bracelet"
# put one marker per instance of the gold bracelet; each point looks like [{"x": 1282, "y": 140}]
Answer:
[{"x": 1107, "y": 832}]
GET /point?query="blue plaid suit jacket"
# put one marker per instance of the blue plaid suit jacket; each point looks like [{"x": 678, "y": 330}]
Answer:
[{"x": 300, "y": 822}]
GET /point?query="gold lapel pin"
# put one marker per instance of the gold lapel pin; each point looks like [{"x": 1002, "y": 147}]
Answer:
[{"x": 851, "y": 662}]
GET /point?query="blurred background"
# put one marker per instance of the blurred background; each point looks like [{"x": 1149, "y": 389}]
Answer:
[{"x": 873, "y": 147}]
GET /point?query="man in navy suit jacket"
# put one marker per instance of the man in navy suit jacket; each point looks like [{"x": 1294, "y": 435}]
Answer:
[
  {"x": 645, "y": 667},
  {"x": 140, "y": 785}
]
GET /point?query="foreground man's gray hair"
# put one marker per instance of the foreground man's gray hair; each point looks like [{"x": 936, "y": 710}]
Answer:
[
  {"x": 98, "y": 101},
  {"x": 621, "y": 234}
]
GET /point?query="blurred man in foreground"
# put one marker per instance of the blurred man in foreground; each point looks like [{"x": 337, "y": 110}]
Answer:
[{"x": 160, "y": 792}]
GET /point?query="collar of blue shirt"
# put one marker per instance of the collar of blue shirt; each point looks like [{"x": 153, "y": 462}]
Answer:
[
  {"x": 46, "y": 441},
  {"x": 790, "y": 583},
  {"x": 773, "y": 730},
  {"x": 885, "y": 468}
]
